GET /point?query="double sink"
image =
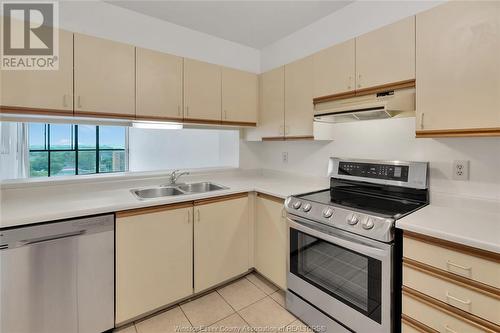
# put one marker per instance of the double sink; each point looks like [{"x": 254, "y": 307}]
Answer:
[{"x": 174, "y": 190}]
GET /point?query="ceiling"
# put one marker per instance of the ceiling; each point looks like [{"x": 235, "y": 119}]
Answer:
[{"x": 252, "y": 23}]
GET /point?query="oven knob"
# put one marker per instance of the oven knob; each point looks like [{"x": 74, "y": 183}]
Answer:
[
  {"x": 368, "y": 224},
  {"x": 297, "y": 204},
  {"x": 327, "y": 213},
  {"x": 307, "y": 207},
  {"x": 353, "y": 219}
]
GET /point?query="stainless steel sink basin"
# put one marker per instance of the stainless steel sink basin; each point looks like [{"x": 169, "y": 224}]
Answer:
[
  {"x": 181, "y": 189},
  {"x": 156, "y": 192},
  {"x": 200, "y": 187}
]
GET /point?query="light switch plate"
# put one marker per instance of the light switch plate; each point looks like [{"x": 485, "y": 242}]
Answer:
[
  {"x": 460, "y": 170},
  {"x": 284, "y": 157}
]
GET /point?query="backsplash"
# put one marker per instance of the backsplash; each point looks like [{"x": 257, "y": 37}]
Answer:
[{"x": 392, "y": 139}]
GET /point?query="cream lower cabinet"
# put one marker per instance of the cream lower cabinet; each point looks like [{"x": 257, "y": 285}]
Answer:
[
  {"x": 458, "y": 69},
  {"x": 270, "y": 239},
  {"x": 158, "y": 85},
  {"x": 239, "y": 97},
  {"x": 386, "y": 55},
  {"x": 299, "y": 99},
  {"x": 50, "y": 91},
  {"x": 221, "y": 240},
  {"x": 104, "y": 77},
  {"x": 154, "y": 259},
  {"x": 202, "y": 91}
]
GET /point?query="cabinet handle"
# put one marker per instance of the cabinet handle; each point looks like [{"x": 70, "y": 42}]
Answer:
[
  {"x": 189, "y": 216},
  {"x": 349, "y": 84},
  {"x": 283, "y": 213},
  {"x": 187, "y": 110},
  {"x": 79, "y": 101},
  {"x": 450, "y": 263},
  {"x": 225, "y": 114},
  {"x": 65, "y": 101},
  {"x": 422, "y": 120},
  {"x": 287, "y": 129},
  {"x": 467, "y": 302},
  {"x": 448, "y": 329},
  {"x": 178, "y": 110},
  {"x": 359, "y": 80},
  {"x": 282, "y": 130},
  {"x": 198, "y": 215}
]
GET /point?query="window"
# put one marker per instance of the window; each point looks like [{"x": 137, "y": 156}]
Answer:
[{"x": 64, "y": 150}]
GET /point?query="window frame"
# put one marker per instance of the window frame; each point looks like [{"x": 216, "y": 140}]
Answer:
[{"x": 76, "y": 150}]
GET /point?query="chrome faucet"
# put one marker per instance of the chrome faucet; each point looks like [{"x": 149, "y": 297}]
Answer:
[{"x": 175, "y": 175}]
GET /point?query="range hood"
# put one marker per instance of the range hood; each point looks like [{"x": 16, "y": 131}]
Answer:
[{"x": 375, "y": 106}]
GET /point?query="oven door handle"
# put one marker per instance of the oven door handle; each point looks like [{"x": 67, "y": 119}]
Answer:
[{"x": 340, "y": 238}]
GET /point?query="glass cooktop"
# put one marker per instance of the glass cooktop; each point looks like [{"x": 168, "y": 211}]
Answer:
[{"x": 370, "y": 203}]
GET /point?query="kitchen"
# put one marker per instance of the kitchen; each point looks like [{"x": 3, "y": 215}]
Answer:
[{"x": 173, "y": 174}]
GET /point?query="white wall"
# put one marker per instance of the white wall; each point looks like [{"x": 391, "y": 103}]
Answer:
[
  {"x": 152, "y": 150},
  {"x": 104, "y": 20},
  {"x": 352, "y": 20},
  {"x": 392, "y": 139}
]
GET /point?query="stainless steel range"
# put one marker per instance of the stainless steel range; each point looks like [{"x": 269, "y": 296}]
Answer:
[{"x": 344, "y": 254}]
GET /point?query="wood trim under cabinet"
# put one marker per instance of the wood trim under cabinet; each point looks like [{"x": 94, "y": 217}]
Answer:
[
  {"x": 483, "y": 254},
  {"x": 288, "y": 138},
  {"x": 417, "y": 325},
  {"x": 104, "y": 115},
  {"x": 238, "y": 123},
  {"x": 202, "y": 121},
  {"x": 273, "y": 138},
  {"x": 451, "y": 310},
  {"x": 454, "y": 133},
  {"x": 160, "y": 118},
  {"x": 271, "y": 197},
  {"x": 153, "y": 209},
  {"x": 221, "y": 198},
  {"x": 34, "y": 111},
  {"x": 366, "y": 91},
  {"x": 453, "y": 278}
]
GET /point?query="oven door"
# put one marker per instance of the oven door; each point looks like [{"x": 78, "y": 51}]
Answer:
[{"x": 346, "y": 276}]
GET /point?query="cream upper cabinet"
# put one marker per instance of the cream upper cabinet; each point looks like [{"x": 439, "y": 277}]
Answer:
[
  {"x": 239, "y": 96},
  {"x": 299, "y": 98},
  {"x": 334, "y": 69},
  {"x": 158, "y": 85},
  {"x": 221, "y": 241},
  {"x": 47, "y": 90},
  {"x": 270, "y": 239},
  {"x": 272, "y": 108},
  {"x": 104, "y": 77},
  {"x": 202, "y": 90},
  {"x": 154, "y": 259},
  {"x": 458, "y": 68},
  {"x": 386, "y": 55}
]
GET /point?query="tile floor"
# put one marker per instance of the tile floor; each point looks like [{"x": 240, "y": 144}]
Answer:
[{"x": 250, "y": 304}]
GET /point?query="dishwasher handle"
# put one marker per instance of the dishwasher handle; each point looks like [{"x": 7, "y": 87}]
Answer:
[
  {"x": 34, "y": 234},
  {"x": 50, "y": 238}
]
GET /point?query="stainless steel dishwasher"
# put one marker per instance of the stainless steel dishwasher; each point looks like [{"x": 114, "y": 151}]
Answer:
[{"x": 58, "y": 277}]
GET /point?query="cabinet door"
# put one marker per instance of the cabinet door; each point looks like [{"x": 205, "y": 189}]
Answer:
[
  {"x": 458, "y": 66},
  {"x": 202, "y": 91},
  {"x": 270, "y": 240},
  {"x": 104, "y": 77},
  {"x": 47, "y": 90},
  {"x": 220, "y": 242},
  {"x": 272, "y": 110},
  {"x": 298, "y": 98},
  {"x": 239, "y": 96},
  {"x": 386, "y": 55},
  {"x": 153, "y": 260},
  {"x": 158, "y": 85},
  {"x": 334, "y": 69}
]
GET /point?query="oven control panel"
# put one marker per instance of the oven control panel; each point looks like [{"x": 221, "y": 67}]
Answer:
[{"x": 370, "y": 226}]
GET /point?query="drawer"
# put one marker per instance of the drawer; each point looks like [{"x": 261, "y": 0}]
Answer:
[
  {"x": 465, "y": 297},
  {"x": 441, "y": 318},
  {"x": 405, "y": 328},
  {"x": 471, "y": 263},
  {"x": 410, "y": 325}
]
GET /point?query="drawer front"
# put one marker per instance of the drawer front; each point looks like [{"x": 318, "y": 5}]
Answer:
[
  {"x": 405, "y": 328},
  {"x": 481, "y": 304},
  {"x": 437, "y": 319},
  {"x": 471, "y": 267}
]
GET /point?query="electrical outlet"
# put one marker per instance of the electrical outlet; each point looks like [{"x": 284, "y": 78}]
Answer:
[
  {"x": 284, "y": 157},
  {"x": 460, "y": 170}
]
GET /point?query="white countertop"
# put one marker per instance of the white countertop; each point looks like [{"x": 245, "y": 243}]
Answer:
[
  {"x": 31, "y": 204},
  {"x": 468, "y": 221}
]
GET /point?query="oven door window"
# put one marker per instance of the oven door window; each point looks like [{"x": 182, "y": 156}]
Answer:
[{"x": 350, "y": 277}]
